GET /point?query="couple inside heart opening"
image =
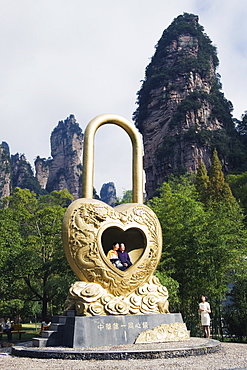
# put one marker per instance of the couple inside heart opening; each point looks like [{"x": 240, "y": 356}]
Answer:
[{"x": 119, "y": 257}]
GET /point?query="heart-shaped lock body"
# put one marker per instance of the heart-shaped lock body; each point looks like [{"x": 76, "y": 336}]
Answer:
[{"x": 91, "y": 227}]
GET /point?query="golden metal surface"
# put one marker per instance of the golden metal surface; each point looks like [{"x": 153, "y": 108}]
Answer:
[
  {"x": 85, "y": 224},
  {"x": 88, "y": 155},
  {"x": 90, "y": 227}
]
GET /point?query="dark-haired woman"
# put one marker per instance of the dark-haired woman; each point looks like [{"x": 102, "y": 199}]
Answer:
[
  {"x": 204, "y": 309},
  {"x": 112, "y": 255}
]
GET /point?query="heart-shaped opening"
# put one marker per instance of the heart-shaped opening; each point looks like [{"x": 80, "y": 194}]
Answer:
[{"x": 133, "y": 238}]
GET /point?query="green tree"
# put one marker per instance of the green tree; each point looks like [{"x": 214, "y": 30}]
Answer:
[
  {"x": 38, "y": 260},
  {"x": 212, "y": 188},
  {"x": 202, "y": 182},
  {"x": 218, "y": 189},
  {"x": 10, "y": 246},
  {"x": 235, "y": 312},
  {"x": 238, "y": 184},
  {"x": 242, "y": 126},
  {"x": 201, "y": 246},
  {"x": 126, "y": 197},
  {"x": 181, "y": 217},
  {"x": 224, "y": 212}
]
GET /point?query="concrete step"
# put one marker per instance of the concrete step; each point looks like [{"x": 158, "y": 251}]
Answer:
[
  {"x": 39, "y": 342},
  {"x": 58, "y": 319},
  {"x": 46, "y": 333},
  {"x": 55, "y": 326}
]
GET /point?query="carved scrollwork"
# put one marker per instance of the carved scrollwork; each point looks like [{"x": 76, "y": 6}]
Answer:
[
  {"x": 92, "y": 299},
  {"x": 85, "y": 222},
  {"x": 164, "y": 333}
]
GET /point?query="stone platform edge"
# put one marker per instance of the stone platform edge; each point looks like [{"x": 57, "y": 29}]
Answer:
[{"x": 176, "y": 350}]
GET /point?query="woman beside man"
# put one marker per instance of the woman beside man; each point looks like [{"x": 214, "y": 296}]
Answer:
[{"x": 119, "y": 257}]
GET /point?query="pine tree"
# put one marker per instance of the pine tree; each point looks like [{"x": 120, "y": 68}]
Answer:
[
  {"x": 202, "y": 182},
  {"x": 218, "y": 189},
  {"x": 238, "y": 185}
]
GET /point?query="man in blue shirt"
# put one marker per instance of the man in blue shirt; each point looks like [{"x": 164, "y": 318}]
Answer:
[{"x": 124, "y": 256}]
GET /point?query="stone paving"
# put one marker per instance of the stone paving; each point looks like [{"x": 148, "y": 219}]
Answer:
[{"x": 231, "y": 356}]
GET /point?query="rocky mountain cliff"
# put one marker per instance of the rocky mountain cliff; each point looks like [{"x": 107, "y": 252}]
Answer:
[
  {"x": 182, "y": 114},
  {"x": 15, "y": 171},
  {"x": 64, "y": 169},
  {"x": 108, "y": 194},
  {"x": 5, "y": 172}
]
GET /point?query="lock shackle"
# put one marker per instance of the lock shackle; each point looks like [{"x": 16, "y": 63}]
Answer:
[{"x": 88, "y": 155}]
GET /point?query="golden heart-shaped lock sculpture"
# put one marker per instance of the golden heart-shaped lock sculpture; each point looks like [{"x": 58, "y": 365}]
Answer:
[{"x": 91, "y": 227}]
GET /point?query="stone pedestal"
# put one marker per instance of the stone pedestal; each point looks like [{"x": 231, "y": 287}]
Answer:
[{"x": 98, "y": 331}]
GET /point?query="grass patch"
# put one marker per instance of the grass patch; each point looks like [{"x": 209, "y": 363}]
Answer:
[{"x": 31, "y": 326}]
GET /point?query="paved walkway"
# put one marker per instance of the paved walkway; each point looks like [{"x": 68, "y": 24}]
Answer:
[{"x": 231, "y": 356}]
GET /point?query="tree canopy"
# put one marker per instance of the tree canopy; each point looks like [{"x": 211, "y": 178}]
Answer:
[
  {"x": 32, "y": 258},
  {"x": 203, "y": 243}
]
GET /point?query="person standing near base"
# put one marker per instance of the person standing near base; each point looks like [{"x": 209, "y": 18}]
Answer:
[{"x": 204, "y": 310}]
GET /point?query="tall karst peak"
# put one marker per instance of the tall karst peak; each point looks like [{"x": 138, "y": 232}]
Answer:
[
  {"x": 62, "y": 170},
  {"x": 65, "y": 168},
  {"x": 182, "y": 114},
  {"x": 108, "y": 193},
  {"x": 5, "y": 170}
]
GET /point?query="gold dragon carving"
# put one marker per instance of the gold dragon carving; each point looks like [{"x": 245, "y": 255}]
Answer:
[
  {"x": 103, "y": 289},
  {"x": 89, "y": 229}
]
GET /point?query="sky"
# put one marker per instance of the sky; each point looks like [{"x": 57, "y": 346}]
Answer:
[{"x": 81, "y": 57}]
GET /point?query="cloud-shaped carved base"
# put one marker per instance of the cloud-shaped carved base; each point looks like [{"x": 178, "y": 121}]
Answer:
[{"x": 91, "y": 299}]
